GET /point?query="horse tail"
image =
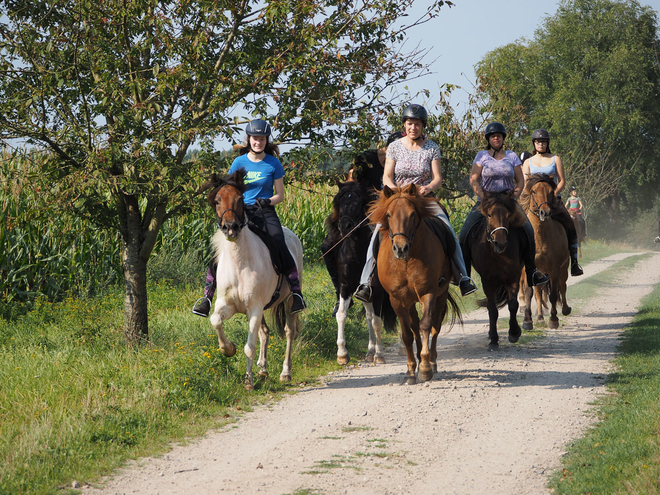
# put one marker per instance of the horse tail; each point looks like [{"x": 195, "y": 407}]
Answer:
[
  {"x": 279, "y": 318},
  {"x": 501, "y": 298},
  {"x": 456, "y": 315}
]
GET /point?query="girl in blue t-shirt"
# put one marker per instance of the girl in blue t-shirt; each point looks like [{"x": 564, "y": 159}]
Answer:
[{"x": 264, "y": 181}]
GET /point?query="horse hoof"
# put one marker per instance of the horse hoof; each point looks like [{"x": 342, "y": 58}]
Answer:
[
  {"x": 425, "y": 376},
  {"x": 554, "y": 323},
  {"x": 566, "y": 310},
  {"x": 379, "y": 359},
  {"x": 493, "y": 346},
  {"x": 343, "y": 360},
  {"x": 514, "y": 338},
  {"x": 263, "y": 374},
  {"x": 229, "y": 350},
  {"x": 369, "y": 358},
  {"x": 435, "y": 368},
  {"x": 285, "y": 378},
  {"x": 249, "y": 387},
  {"x": 540, "y": 318},
  {"x": 528, "y": 325},
  {"x": 409, "y": 380}
]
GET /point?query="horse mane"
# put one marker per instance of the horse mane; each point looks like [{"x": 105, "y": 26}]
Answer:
[
  {"x": 332, "y": 221},
  {"x": 531, "y": 182},
  {"x": 424, "y": 205},
  {"x": 516, "y": 216},
  {"x": 237, "y": 179}
]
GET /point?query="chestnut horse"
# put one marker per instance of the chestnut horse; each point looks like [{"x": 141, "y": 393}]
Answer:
[
  {"x": 495, "y": 245},
  {"x": 246, "y": 280},
  {"x": 413, "y": 267},
  {"x": 551, "y": 250},
  {"x": 348, "y": 226}
]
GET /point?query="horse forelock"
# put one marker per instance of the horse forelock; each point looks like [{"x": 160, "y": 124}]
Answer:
[
  {"x": 424, "y": 206},
  {"x": 536, "y": 178}
]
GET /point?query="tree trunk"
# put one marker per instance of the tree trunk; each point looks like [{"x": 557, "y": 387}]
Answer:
[{"x": 136, "y": 323}]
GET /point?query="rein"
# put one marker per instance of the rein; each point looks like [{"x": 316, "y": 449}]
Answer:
[
  {"x": 347, "y": 235},
  {"x": 241, "y": 225}
]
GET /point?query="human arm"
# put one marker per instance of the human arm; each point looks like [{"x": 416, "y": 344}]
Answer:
[
  {"x": 475, "y": 180},
  {"x": 436, "y": 181},
  {"x": 388, "y": 173},
  {"x": 519, "y": 179},
  {"x": 580, "y": 204},
  {"x": 561, "y": 183},
  {"x": 278, "y": 185}
]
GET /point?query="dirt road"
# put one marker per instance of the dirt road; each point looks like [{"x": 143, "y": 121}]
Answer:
[{"x": 489, "y": 422}]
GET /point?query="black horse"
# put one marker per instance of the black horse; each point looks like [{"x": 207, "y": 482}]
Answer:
[{"x": 345, "y": 251}]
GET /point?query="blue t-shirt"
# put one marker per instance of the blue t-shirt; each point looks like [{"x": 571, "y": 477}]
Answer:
[{"x": 260, "y": 177}]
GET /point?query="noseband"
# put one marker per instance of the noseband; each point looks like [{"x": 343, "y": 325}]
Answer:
[
  {"x": 537, "y": 211},
  {"x": 490, "y": 237},
  {"x": 244, "y": 221}
]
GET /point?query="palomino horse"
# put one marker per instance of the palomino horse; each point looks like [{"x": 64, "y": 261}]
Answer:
[
  {"x": 551, "y": 250},
  {"x": 347, "y": 225},
  {"x": 413, "y": 266},
  {"x": 246, "y": 279},
  {"x": 495, "y": 247}
]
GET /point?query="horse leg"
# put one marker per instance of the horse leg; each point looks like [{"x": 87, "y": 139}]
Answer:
[
  {"x": 223, "y": 312},
  {"x": 438, "y": 317},
  {"x": 407, "y": 338},
  {"x": 514, "y": 329},
  {"x": 290, "y": 330},
  {"x": 425, "y": 325},
  {"x": 264, "y": 336},
  {"x": 554, "y": 293},
  {"x": 254, "y": 322},
  {"x": 565, "y": 308},
  {"x": 493, "y": 337},
  {"x": 342, "y": 353},
  {"x": 526, "y": 298},
  {"x": 414, "y": 326},
  {"x": 375, "y": 325},
  {"x": 538, "y": 294}
]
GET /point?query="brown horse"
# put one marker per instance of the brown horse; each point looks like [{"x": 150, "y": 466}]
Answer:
[
  {"x": 578, "y": 221},
  {"x": 551, "y": 250},
  {"x": 495, "y": 245},
  {"x": 413, "y": 267}
]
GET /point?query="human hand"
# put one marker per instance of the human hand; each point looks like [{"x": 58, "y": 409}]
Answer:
[{"x": 262, "y": 202}]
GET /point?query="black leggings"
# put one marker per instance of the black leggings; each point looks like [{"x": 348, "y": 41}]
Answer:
[{"x": 267, "y": 220}]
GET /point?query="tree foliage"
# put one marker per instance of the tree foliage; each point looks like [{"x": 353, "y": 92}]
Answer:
[
  {"x": 591, "y": 77},
  {"x": 117, "y": 92}
]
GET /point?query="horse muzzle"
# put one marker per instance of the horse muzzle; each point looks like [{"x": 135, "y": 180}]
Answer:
[
  {"x": 231, "y": 230},
  {"x": 545, "y": 215}
]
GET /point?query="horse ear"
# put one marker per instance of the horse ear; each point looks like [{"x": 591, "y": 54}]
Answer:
[
  {"x": 411, "y": 189},
  {"x": 387, "y": 192}
]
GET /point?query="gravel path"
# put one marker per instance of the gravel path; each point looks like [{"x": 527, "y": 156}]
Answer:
[{"x": 490, "y": 422}]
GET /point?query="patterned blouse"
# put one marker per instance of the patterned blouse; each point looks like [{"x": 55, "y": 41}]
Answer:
[{"x": 413, "y": 167}]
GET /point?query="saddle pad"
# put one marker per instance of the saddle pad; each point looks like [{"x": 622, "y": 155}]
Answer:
[{"x": 273, "y": 249}]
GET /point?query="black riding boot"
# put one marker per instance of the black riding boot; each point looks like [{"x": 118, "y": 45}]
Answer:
[{"x": 576, "y": 270}]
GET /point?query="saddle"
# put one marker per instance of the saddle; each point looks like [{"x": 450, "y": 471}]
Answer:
[{"x": 276, "y": 258}]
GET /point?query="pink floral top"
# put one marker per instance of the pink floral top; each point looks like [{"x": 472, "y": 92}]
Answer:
[{"x": 413, "y": 167}]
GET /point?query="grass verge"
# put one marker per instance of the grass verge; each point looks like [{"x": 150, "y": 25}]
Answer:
[
  {"x": 621, "y": 454},
  {"x": 75, "y": 402}
]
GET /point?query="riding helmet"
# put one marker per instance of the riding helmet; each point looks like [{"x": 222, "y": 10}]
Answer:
[
  {"x": 524, "y": 156},
  {"x": 540, "y": 134},
  {"x": 258, "y": 127},
  {"x": 393, "y": 137},
  {"x": 494, "y": 128},
  {"x": 415, "y": 111}
]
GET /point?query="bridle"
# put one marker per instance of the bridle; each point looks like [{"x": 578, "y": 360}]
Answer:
[
  {"x": 491, "y": 238},
  {"x": 537, "y": 211},
  {"x": 409, "y": 238},
  {"x": 244, "y": 220}
]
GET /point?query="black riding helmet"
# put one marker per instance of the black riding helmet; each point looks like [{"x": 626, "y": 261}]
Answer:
[
  {"x": 258, "y": 127},
  {"x": 415, "y": 111},
  {"x": 494, "y": 128},
  {"x": 539, "y": 134}
]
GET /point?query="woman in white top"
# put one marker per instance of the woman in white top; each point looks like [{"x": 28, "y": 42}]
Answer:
[{"x": 414, "y": 159}]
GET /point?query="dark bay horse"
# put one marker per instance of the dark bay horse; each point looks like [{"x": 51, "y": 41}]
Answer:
[
  {"x": 495, "y": 245},
  {"x": 413, "y": 267},
  {"x": 345, "y": 250},
  {"x": 578, "y": 221},
  {"x": 551, "y": 250},
  {"x": 246, "y": 280}
]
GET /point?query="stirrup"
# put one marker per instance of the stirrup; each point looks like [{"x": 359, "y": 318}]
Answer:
[
  {"x": 298, "y": 303},
  {"x": 363, "y": 293},
  {"x": 539, "y": 278},
  {"x": 467, "y": 286},
  {"x": 576, "y": 270},
  {"x": 202, "y": 307}
]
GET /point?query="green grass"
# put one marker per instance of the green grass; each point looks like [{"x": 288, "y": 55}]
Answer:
[
  {"x": 76, "y": 402},
  {"x": 621, "y": 454}
]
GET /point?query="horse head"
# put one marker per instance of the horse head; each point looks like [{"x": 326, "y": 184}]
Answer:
[
  {"x": 349, "y": 206},
  {"x": 499, "y": 209},
  {"x": 226, "y": 198},
  {"x": 400, "y": 212},
  {"x": 541, "y": 191}
]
